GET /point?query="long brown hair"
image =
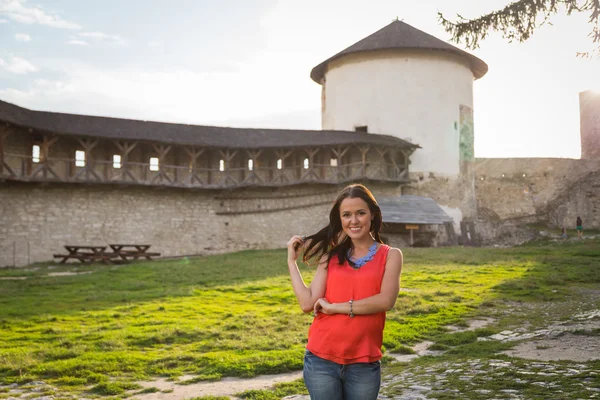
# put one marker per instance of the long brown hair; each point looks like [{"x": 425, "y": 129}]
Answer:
[{"x": 331, "y": 240}]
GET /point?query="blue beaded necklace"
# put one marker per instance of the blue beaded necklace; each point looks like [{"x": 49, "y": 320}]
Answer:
[{"x": 356, "y": 264}]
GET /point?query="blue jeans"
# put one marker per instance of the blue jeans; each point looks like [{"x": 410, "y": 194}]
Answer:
[{"x": 327, "y": 380}]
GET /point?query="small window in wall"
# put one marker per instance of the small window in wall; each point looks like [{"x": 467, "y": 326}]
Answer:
[
  {"x": 333, "y": 162},
  {"x": 154, "y": 164},
  {"x": 361, "y": 128},
  {"x": 250, "y": 165},
  {"x": 116, "y": 161},
  {"x": 80, "y": 158},
  {"x": 35, "y": 153},
  {"x": 306, "y": 163},
  {"x": 221, "y": 165},
  {"x": 279, "y": 164}
]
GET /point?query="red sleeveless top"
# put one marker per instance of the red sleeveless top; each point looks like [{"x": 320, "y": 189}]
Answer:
[{"x": 338, "y": 337}]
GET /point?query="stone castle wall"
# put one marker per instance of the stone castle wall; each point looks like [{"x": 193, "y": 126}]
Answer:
[
  {"x": 549, "y": 190},
  {"x": 37, "y": 220},
  {"x": 455, "y": 195},
  {"x": 589, "y": 110},
  {"x": 503, "y": 194}
]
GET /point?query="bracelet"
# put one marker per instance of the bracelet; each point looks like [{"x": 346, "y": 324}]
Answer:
[{"x": 351, "y": 312}]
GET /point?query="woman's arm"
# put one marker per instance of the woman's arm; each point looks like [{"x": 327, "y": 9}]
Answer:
[
  {"x": 384, "y": 301},
  {"x": 306, "y": 295}
]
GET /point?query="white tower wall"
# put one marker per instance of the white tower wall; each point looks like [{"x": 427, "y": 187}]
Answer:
[{"x": 414, "y": 95}]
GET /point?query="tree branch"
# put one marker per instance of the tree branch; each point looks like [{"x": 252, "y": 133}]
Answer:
[{"x": 518, "y": 20}]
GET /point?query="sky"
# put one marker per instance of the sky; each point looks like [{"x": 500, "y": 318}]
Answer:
[{"x": 246, "y": 63}]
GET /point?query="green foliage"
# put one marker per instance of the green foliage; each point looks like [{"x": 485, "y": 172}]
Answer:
[
  {"x": 114, "y": 388},
  {"x": 458, "y": 338}
]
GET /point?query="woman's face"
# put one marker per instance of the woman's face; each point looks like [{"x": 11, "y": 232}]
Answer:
[{"x": 356, "y": 218}]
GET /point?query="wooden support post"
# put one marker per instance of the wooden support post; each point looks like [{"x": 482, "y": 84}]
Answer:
[
  {"x": 383, "y": 164},
  {"x": 88, "y": 168},
  {"x": 310, "y": 172},
  {"x": 363, "y": 152},
  {"x": 108, "y": 164},
  {"x": 280, "y": 174},
  {"x": 193, "y": 177},
  {"x": 177, "y": 166},
  {"x": 161, "y": 151},
  {"x": 4, "y": 132},
  {"x": 209, "y": 157},
  {"x": 412, "y": 228},
  {"x": 125, "y": 148},
  {"x": 44, "y": 168},
  {"x": 252, "y": 176},
  {"x": 228, "y": 156},
  {"x": 339, "y": 155}
]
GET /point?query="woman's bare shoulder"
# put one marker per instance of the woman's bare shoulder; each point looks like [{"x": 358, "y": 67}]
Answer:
[{"x": 395, "y": 255}]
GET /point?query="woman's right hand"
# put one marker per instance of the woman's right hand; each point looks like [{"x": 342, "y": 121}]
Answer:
[{"x": 293, "y": 247}]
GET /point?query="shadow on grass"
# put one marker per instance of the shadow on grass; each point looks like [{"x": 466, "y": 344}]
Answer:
[
  {"x": 109, "y": 286},
  {"x": 558, "y": 267}
]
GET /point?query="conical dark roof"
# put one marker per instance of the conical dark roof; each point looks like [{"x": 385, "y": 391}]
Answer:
[{"x": 400, "y": 35}]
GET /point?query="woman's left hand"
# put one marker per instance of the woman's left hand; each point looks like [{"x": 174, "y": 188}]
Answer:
[{"x": 322, "y": 305}]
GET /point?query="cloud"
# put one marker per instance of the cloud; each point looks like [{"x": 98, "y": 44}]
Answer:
[
  {"x": 103, "y": 37},
  {"x": 77, "y": 42},
  {"x": 19, "y": 11},
  {"x": 17, "y": 65},
  {"x": 155, "y": 44},
  {"x": 22, "y": 37},
  {"x": 175, "y": 95}
]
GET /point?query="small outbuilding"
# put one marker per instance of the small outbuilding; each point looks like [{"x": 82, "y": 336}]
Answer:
[{"x": 413, "y": 221}]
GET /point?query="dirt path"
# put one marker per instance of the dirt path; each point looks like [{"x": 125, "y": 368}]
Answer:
[
  {"x": 224, "y": 387},
  {"x": 576, "y": 340}
]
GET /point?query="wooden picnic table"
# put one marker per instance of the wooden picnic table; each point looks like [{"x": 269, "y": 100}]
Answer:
[
  {"x": 120, "y": 252},
  {"x": 84, "y": 254},
  {"x": 132, "y": 251}
]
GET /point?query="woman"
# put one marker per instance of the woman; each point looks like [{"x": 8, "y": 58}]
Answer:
[
  {"x": 356, "y": 282},
  {"x": 579, "y": 227}
]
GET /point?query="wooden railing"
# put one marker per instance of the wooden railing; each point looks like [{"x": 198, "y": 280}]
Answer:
[{"x": 22, "y": 168}]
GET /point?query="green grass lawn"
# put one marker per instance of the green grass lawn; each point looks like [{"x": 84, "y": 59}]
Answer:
[{"x": 236, "y": 314}]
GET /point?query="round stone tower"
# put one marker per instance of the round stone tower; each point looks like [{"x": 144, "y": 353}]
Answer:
[{"x": 404, "y": 82}]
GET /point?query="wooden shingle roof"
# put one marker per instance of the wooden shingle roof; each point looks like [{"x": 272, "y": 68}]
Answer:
[
  {"x": 400, "y": 36},
  {"x": 183, "y": 134}
]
